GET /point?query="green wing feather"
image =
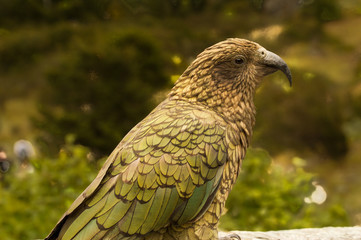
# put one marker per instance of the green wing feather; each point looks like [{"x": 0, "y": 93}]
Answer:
[{"x": 164, "y": 171}]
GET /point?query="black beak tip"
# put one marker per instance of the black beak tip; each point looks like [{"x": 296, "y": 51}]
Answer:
[
  {"x": 289, "y": 77},
  {"x": 284, "y": 68}
]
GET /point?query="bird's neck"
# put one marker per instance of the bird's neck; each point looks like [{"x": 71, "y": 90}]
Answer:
[
  {"x": 233, "y": 103},
  {"x": 238, "y": 109}
]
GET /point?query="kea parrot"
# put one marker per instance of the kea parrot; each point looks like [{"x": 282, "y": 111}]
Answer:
[{"x": 170, "y": 176}]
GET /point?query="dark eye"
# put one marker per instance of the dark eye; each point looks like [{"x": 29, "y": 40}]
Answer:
[{"x": 238, "y": 60}]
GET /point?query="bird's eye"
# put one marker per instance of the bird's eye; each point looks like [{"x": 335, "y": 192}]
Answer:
[
  {"x": 262, "y": 53},
  {"x": 238, "y": 60}
]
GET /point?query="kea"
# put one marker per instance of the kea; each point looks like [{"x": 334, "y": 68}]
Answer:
[{"x": 170, "y": 176}]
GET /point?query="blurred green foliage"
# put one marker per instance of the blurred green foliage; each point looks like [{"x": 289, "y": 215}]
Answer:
[
  {"x": 322, "y": 10},
  {"x": 270, "y": 196},
  {"x": 33, "y": 199},
  {"x": 318, "y": 116}
]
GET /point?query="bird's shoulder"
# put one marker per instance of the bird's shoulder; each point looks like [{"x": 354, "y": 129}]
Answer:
[{"x": 175, "y": 113}]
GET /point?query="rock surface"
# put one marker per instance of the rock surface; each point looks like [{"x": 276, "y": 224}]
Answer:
[{"x": 327, "y": 233}]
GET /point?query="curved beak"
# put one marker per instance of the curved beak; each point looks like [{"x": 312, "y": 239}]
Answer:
[{"x": 274, "y": 62}]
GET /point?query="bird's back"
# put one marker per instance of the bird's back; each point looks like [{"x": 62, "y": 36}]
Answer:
[{"x": 164, "y": 172}]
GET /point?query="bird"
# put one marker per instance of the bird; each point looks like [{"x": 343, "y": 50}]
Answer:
[
  {"x": 170, "y": 176},
  {"x": 24, "y": 151}
]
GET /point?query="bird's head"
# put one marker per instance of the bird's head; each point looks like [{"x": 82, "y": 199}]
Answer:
[{"x": 228, "y": 68}]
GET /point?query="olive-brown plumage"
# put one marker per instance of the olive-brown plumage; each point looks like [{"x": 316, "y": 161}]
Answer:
[{"x": 170, "y": 176}]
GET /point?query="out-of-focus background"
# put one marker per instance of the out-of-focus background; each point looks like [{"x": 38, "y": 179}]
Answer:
[{"x": 76, "y": 75}]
